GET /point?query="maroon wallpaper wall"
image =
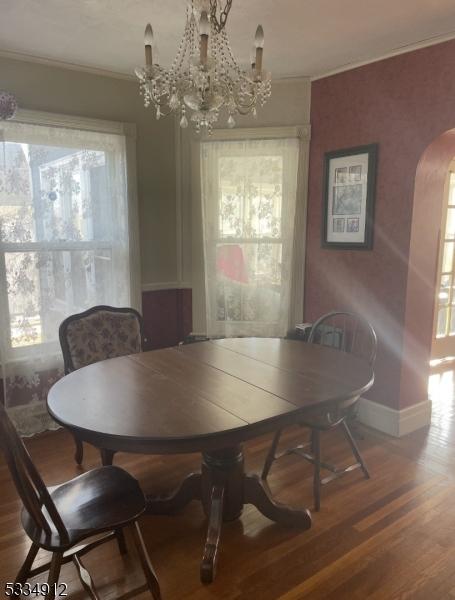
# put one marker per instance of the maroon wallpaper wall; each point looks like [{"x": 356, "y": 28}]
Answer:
[
  {"x": 403, "y": 103},
  {"x": 167, "y": 316}
]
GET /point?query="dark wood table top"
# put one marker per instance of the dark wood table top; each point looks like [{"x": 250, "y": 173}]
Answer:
[{"x": 203, "y": 396}]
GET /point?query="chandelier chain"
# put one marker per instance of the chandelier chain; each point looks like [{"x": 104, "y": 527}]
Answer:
[{"x": 219, "y": 24}]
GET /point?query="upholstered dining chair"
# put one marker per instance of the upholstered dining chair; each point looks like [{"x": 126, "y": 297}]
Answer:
[
  {"x": 346, "y": 332},
  {"x": 96, "y": 334},
  {"x": 102, "y": 502}
]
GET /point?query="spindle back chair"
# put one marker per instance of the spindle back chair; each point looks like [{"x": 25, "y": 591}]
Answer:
[
  {"x": 345, "y": 332},
  {"x": 57, "y": 519}
]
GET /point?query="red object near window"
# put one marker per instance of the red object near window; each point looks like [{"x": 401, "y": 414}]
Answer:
[{"x": 231, "y": 263}]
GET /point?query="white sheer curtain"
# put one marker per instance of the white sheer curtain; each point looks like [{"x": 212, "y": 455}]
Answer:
[
  {"x": 64, "y": 246},
  {"x": 248, "y": 199}
]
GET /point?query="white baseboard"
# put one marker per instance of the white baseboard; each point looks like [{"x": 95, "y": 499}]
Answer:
[{"x": 394, "y": 422}]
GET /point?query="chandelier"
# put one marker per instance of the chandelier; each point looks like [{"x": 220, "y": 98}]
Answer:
[{"x": 204, "y": 77}]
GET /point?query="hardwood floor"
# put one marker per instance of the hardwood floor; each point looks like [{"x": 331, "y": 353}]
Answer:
[{"x": 390, "y": 537}]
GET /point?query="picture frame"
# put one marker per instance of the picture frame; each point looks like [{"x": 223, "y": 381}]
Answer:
[{"x": 349, "y": 186}]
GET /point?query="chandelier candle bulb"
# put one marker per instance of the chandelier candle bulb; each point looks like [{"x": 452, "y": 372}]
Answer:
[
  {"x": 259, "y": 37},
  {"x": 259, "y": 43},
  {"x": 148, "y": 41},
  {"x": 204, "y": 29},
  {"x": 253, "y": 57},
  {"x": 204, "y": 25}
]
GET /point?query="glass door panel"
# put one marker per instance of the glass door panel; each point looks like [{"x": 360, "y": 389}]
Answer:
[{"x": 444, "y": 325}]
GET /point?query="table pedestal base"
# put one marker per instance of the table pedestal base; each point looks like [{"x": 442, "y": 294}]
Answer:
[{"x": 223, "y": 488}]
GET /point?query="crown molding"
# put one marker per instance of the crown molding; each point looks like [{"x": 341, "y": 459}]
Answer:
[
  {"x": 60, "y": 64},
  {"x": 433, "y": 41},
  {"x": 290, "y": 80},
  {"x": 51, "y": 62}
]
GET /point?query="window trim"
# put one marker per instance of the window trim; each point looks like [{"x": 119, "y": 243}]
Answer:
[
  {"x": 124, "y": 129},
  {"x": 301, "y": 132},
  {"x": 128, "y": 130},
  {"x": 192, "y": 147}
]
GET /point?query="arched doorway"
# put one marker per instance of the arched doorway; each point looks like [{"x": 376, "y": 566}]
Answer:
[{"x": 431, "y": 176}]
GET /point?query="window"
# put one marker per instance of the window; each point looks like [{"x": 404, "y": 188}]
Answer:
[
  {"x": 248, "y": 198},
  {"x": 64, "y": 242}
]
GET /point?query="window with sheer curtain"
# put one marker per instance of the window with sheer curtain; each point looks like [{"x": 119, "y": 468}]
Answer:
[
  {"x": 64, "y": 246},
  {"x": 248, "y": 198}
]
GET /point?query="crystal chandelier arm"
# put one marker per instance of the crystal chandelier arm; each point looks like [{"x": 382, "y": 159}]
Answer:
[
  {"x": 164, "y": 113},
  {"x": 156, "y": 101},
  {"x": 243, "y": 107}
]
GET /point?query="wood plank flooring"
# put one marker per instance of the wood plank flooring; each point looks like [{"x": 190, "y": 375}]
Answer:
[{"x": 392, "y": 537}]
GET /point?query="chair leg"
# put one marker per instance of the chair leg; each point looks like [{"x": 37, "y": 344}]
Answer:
[
  {"x": 149, "y": 572},
  {"x": 84, "y": 576},
  {"x": 316, "y": 446},
  {"x": 355, "y": 449},
  {"x": 271, "y": 455},
  {"x": 121, "y": 541},
  {"x": 79, "y": 454},
  {"x": 312, "y": 442},
  {"x": 22, "y": 576},
  {"x": 54, "y": 573},
  {"x": 107, "y": 457}
]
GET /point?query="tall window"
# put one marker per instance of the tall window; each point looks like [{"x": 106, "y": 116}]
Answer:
[
  {"x": 248, "y": 196},
  {"x": 64, "y": 245}
]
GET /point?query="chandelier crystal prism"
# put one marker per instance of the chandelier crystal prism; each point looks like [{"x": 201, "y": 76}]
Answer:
[{"x": 204, "y": 77}]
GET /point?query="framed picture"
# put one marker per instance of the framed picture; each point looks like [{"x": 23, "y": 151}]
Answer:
[{"x": 349, "y": 190}]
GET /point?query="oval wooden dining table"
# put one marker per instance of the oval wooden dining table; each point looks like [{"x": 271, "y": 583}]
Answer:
[{"x": 207, "y": 397}]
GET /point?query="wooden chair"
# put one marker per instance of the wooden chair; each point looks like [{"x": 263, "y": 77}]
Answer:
[
  {"x": 103, "y": 501},
  {"x": 96, "y": 334},
  {"x": 346, "y": 332}
]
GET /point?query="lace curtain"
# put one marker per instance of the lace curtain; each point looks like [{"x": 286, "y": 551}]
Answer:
[
  {"x": 63, "y": 248},
  {"x": 248, "y": 199}
]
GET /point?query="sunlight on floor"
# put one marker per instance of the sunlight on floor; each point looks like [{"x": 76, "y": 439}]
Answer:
[
  {"x": 441, "y": 393},
  {"x": 440, "y": 386}
]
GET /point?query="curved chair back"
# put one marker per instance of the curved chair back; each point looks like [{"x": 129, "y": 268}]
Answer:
[
  {"x": 29, "y": 485},
  {"x": 346, "y": 331},
  {"x": 99, "y": 333}
]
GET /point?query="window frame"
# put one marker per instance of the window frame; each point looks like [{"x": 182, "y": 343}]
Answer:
[
  {"x": 128, "y": 132},
  {"x": 303, "y": 134}
]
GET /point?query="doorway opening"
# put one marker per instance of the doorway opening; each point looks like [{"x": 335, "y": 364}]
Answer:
[
  {"x": 443, "y": 340},
  {"x": 441, "y": 383}
]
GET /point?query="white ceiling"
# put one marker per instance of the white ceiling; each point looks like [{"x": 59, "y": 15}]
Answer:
[{"x": 302, "y": 37}]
